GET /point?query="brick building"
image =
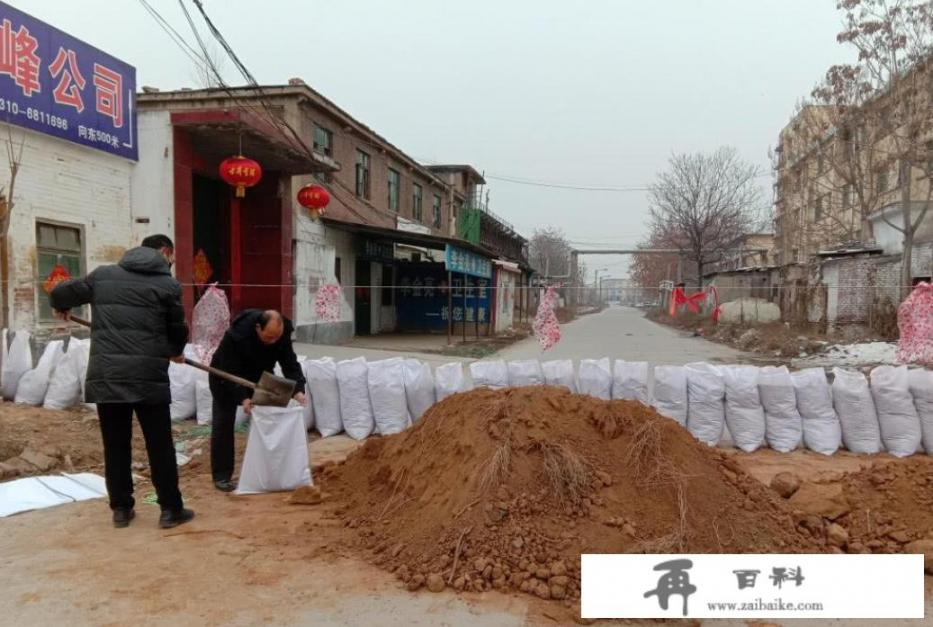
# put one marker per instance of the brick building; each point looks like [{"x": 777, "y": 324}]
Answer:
[{"x": 383, "y": 239}]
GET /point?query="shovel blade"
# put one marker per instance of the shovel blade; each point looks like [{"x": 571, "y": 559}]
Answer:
[{"x": 273, "y": 391}]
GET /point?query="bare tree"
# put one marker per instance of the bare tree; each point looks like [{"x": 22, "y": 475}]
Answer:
[
  {"x": 14, "y": 149},
  {"x": 877, "y": 125},
  {"x": 703, "y": 203},
  {"x": 549, "y": 252},
  {"x": 208, "y": 73}
]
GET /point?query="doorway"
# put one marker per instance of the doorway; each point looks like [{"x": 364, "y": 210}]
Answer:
[
  {"x": 363, "y": 307},
  {"x": 211, "y": 232}
]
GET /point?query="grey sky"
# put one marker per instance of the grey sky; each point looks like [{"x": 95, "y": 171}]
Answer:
[{"x": 593, "y": 93}]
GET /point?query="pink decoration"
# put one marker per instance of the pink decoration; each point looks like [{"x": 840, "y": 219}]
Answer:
[
  {"x": 210, "y": 319},
  {"x": 915, "y": 323},
  {"x": 545, "y": 325},
  {"x": 327, "y": 303}
]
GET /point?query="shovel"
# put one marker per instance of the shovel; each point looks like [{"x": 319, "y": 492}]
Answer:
[{"x": 271, "y": 390}]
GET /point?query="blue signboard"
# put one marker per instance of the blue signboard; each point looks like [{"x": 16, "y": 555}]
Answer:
[
  {"x": 424, "y": 297},
  {"x": 466, "y": 262},
  {"x": 55, "y": 84}
]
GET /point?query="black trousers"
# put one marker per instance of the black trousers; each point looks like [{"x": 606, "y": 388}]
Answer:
[
  {"x": 116, "y": 427},
  {"x": 223, "y": 421}
]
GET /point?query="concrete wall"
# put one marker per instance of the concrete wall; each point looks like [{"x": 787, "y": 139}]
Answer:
[
  {"x": 62, "y": 182},
  {"x": 152, "y": 198},
  {"x": 316, "y": 250},
  {"x": 892, "y": 240},
  {"x": 506, "y": 294}
]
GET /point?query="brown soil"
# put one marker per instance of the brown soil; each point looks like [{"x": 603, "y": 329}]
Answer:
[
  {"x": 505, "y": 489},
  {"x": 892, "y": 505}
]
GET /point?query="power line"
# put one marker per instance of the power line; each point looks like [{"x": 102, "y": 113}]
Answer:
[{"x": 586, "y": 188}]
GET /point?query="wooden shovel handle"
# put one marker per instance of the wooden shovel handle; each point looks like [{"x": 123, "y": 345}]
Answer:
[{"x": 190, "y": 362}]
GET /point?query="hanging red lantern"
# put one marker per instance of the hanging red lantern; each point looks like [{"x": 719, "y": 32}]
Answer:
[
  {"x": 240, "y": 172},
  {"x": 314, "y": 198}
]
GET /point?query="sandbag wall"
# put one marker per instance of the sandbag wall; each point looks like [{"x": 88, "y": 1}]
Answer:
[{"x": 744, "y": 406}]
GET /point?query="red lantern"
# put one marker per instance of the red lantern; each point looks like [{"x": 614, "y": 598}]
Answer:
[
  {"x": 314, "y": 198},
  {"x": 240, "y": 172}
]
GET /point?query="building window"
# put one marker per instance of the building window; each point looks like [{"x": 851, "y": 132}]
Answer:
[
  {"x": 437, "y": 211},
  {"x": 848, "y": 196},
  {"x": 337, "y": 268},
  {"x": 819, "y": 206},
  {"x": 882, "y": 181},
  {"x": 362, "y": 174},
  {"x": 323, "y": 141},
  {"x": 416, "y": 202},
  {"x": 394, "y": 184},
  {"x": 56, "y": 245}
]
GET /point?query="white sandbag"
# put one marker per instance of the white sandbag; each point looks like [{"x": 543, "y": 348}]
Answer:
[
  {"x": 325, "y": 395},
  {"x": 490, "y": 374},
  {"x": 783, "y": 424},
  {"x": 183, "y": 386},
  {"x": 204, "y": 400},
  {"x": 595, "y": 377},
  {"x": 449, "y": 380},
  {"x": 419, "y": 387},
  {"x": 670, "y": 393},
  {"x": 356, "y": 411},
  {"x": 897, "y": 415},
  {"x": 67, "y": 379},
  {"x": 276, "y": 457},
  {"x": 921, "y": 388},
  {"x": 386, "y": 380},
  {"x": 745, "y": 416},
  {"x": 560, "y": 373},
  {"x": 856, "y": 410},
  {"x": 17, "y": 363},
  {"x": 822, "y": 432},
  {"x": 706, "y": 410},
  {"x": 34, "y": 384},
  {"x": 630, "y": 381},
  {"x": 525, "y": 372}
]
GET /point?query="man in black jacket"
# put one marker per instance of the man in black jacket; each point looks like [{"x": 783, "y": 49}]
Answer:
[
  {"x": 254, "y": 343},
  {"x": 138, "y": 325}
]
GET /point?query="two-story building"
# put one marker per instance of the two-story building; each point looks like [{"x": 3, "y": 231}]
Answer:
[{"x": 394, "y": 236}]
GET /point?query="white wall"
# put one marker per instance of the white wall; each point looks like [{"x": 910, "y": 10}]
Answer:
[
  {"x": 892, "y": 240},
  {"x": 153, "y": 181},
  {"x": 316, "y": 250},
  {"x": 506, "y": 292},
  {"x": 75, "y": 185}
]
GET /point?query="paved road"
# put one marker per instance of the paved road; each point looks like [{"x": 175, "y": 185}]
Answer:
[{"x": 624, "y": 333}]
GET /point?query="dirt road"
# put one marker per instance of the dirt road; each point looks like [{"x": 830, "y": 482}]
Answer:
[{"x": 254, "y": 560}]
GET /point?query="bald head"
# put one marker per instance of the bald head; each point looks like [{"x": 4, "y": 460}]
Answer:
[{"x": 270, "y": 327}]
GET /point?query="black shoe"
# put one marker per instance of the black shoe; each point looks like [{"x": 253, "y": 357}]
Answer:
[
  {"x": 173, "y": 518},
  {"x": 225, "y": 485},
  {"x": 122, "y": 517}
]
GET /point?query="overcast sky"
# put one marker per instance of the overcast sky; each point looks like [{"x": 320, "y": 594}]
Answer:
[{"x": 588, "y": 93}]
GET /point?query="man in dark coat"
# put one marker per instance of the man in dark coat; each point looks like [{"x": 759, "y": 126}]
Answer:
[
  {"x": 138, "y": 325},
  {"x": 254, "y": 343}
]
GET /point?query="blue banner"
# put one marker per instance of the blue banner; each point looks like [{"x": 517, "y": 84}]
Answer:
[
  {"x": 466, "y": 262},
  {"x": 423, "y": 302},
  {"x": 55, "y": 84}
]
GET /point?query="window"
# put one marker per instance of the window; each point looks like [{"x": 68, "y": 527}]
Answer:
[
  {"x": 882, "y": 181},
  {"x": 848, "y": 196},
  {"x": 337, "y": 268},
  {"x": 362, "y": 174},
  {"x": 819, "y": 207},
  {"x": 394, "y": 183},
  {"x": 323, "y": 141},
  {"x": 820, "y": 163},
  {"x": 56, "y": 245},
  {"x": 416, "y": 212},
  {"x": 437, "y": 211}
]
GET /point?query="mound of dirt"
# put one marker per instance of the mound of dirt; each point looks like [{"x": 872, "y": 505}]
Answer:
[
  {"x": 505, "y": 489},
  {"x": 891, "y": 506}
]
